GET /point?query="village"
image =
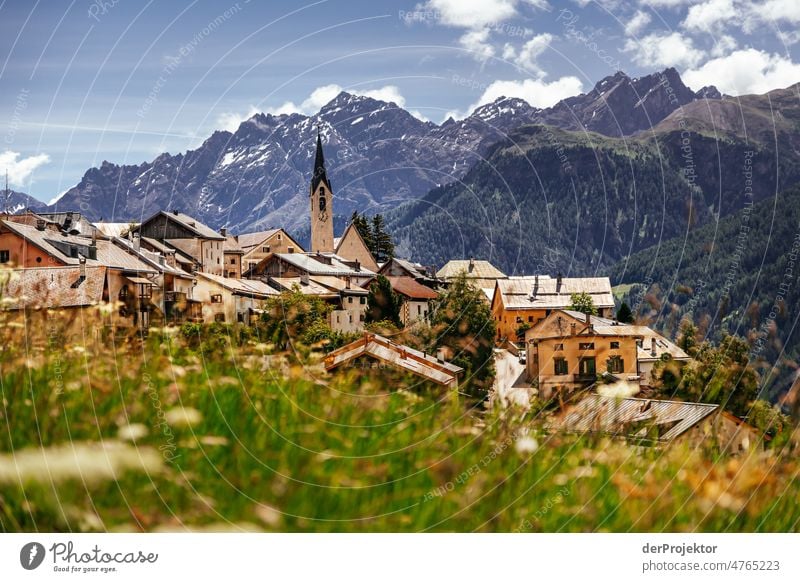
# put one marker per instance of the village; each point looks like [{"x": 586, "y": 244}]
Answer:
[{"x": 171, "y": 269}]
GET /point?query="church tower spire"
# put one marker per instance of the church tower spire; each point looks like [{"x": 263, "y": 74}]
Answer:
[{"x": 321, "y": 205}]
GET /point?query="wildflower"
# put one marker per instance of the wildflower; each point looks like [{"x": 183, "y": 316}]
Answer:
[
  {"x": 132, "y": 432},
  {"x": 183, "y": 416},
  {"x": 526, "y": 445}
]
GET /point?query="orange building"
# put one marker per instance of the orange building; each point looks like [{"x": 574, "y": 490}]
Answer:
[{"x": 519, "y": 303}]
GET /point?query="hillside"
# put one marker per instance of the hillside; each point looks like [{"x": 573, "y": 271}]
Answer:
[{"x": 729, "y": 275}]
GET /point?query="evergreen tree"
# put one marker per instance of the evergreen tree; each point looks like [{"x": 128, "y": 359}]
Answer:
[
  {"x": 687, "y": 339},
  {"x": 462, "y": 321},
  {"x": 364, "y": 229},
  {"x": 383, "y": 304},
  {"x": 384, "y": 247},
  {"x": 583, "y": 302},
  {"x": 624, "y": 314}
]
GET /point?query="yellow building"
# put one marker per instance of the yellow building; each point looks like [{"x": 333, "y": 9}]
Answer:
[
  {"x": 519, "y": 303},
  {"x": 568, "y": 350}
]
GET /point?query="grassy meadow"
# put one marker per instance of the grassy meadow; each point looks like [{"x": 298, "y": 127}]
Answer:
[{"x": 223, "y": 433}]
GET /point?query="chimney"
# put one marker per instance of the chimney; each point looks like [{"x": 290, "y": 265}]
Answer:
[
  {"x": 347, "y": 282},
  {"x": 471, "y": 264},
  {"x": 171, "y": 259},
  {"x": 535, "y": 290},
  {"x": 573, "y": 328},
  {"x": 558, "y": 283},
  {"x": 357, "y": 268},
  {"x": 82, "y": 262},
  {"x": 304, "y": 278},
  {"x": 93, "y": 251},
  {"x": 588, "y": 320},
  {"x": 175, "y": 212},
  {"x": 161, "y": 260},
  {"x": 224, "y": 231},
  {"x": 137, "y": 242},
  {"x": 653, "y": 347},
  {"x": 40, "y": 224}
]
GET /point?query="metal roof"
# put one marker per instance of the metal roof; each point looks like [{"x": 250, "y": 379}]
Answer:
[
  {"x": 479, "y": 270},
  {"x": 397, "y": 355},
  {"x": 633, "y": 416},
  {"x": 337, "y": 284},
  {"x": 318, "y": 266},
  {"x": 253, "y": 239},
  {"x": 247, "y": 287},
  {"x": 544, "y": 292},
  {"x": 311, "y": 288}
]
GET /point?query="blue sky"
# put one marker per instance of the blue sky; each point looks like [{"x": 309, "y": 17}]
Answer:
[{"x": 118, "y": 80}]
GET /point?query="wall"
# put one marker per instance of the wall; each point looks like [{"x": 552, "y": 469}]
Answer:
[
  {"x": 413, "y": 311},
  {"x": 22, "y": 254},
  {"x": 279, "y": 242},
  {"x": 352, "y": 248},
  {"x": 233, "y": 266}
]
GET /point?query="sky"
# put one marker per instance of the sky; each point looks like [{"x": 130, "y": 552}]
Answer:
[{"x": 123, "y": 81}]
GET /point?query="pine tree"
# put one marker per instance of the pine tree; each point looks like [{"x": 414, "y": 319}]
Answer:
[
  {"x": 383, "y": 245},
  {"x": 383, "y": 304},
  {"x": 364, "y": 229},
  {"x": 624, "y": 314}
]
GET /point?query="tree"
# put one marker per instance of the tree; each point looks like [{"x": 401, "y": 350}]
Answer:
[
  {"x": 687, "y": 338},
  {"x": 624, "y": 314},
  {"x": 364, "y": 229},
  {"x": 462, "y": 322},
  {"x": 292, "y": 316},
  {"x": 583, "y": 302},
  {"x": 383, "y": 304},
  {"x": 383, "y": 248}
]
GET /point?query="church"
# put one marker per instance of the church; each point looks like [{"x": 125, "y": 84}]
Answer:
[{"x": 350, "y": 246}]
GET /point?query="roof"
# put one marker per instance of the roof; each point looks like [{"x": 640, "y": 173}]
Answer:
[
  {"x": 52, "y": 287},
  {"x": 632, "y": 416},
  {"x": 246, "y": 287},
  {"x": 249, "y": 240},
  {"x": 409, "y": 287},
  {"x": 153, "y": 259},
  {"x": 310, "y": 288},
  {"x": 415, "y": 270},
  {"x": 189, "y": 223},
  {"x": 544, "y": 292},
  {"x": 232, "y": 246},
  {"x": 180, "y": 256},
  {"x": 319, "y": 167},
  {"x": 70, "y": 221},
  {"x": 58, "y": 245},
  {"x": 317, "y": 264},
  {"x": 397, "y": 355},
  {"x": 479, "y": 270},
  {"x": 337, "y": 284},
  {"x": 114, "y": 228}
]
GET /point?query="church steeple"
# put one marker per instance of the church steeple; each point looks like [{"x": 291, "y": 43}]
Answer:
[
  {"x": 319, "y": 167},
  {"x": 321, "y": 205}
]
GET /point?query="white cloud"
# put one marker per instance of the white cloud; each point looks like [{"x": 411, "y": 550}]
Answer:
[
  {"x": 723, "y": 45},
  {"x": 745, "y": 71},
  {"x": 665, "y": 3},
  {"x": 788, "y": 10},
  {"x": 470, "y": 13},
  {"x": 637, "y": 23},
  {"x": 230, "y": 121},
  {"x": 530, "y": 51},
  {"x": 19, "y": 169},
  {"x": 535, "y": 91},
  {"x": 664, "y": 50},
  {"x": 313, "y": 103},
  {"x": 711, "y": 16},
  {"x": 477, "y": 42}
]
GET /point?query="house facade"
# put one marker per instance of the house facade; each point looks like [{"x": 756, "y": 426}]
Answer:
[
  {"x": 519, "y": 303},
  {"x": 188, "y": 235}
]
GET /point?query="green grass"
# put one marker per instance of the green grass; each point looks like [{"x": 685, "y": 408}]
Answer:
[{"x": 269, "y": 448}]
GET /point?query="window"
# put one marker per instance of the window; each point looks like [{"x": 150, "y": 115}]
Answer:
[
  {"x": 291, "y": 249},
  {"x": 614, "y": 345},
  {"x": 218, "y": 260},
  {"x": 279, "y": 236},
  {"x": 587, "y": 367},
  {"x": 265, "y": 249},
  {"x": 586, "y": 346},
  {"x": 216, "y": 299},
  {"x": 231, "y": 274},
  {"x": 5, "y": 256},
  {"x": 530, "y": 319},
  {"x": 363, "y": 300},
  {"x": 560, "y": 366},
  {"x": 519, "y": 319},
  {"x": 558, "y": 348},
  {"x": 323, "y": 203},
  {"x": 419, "y": 309},
  {"x": 219, "y": 318},
  {"x": 349, "y": 299},
  {"x": 616, "y": 365},
  {"x": 233, "y": 261}
]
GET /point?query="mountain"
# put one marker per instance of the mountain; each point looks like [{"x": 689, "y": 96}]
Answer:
[
  {"x": 11, "y": 201},
  {"x": 379, "y": 155},
  {"x": 620, "y": 105},
  {"x": 736, "y": 275},
  {"x": 548, "y": 200}
]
